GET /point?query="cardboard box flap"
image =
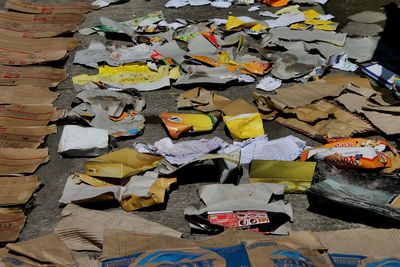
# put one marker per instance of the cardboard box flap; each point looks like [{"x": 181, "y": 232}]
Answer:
[
  {"x": 35, "y": 76},
  {"x": 26, "y": 160},
  {"x": 45, "y": 249},
  {"x": 12, "y": 221},
  {"x": 37, "y": 8},
  {"x": 17, "y": 190},
  {"x": 367, "y": 242}
]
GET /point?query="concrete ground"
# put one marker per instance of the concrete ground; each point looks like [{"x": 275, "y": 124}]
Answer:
[{"x": 44, "y": 211}]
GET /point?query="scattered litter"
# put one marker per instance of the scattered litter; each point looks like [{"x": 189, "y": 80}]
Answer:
[
  {"x": 269, "y": 84},
  {"x": 17, "y": 190},
  {"x": 12, "y": 220},
  {"x": 244, "y": 126}
]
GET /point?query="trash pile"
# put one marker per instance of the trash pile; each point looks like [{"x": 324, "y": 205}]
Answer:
[{"x": 306, "y": 75}]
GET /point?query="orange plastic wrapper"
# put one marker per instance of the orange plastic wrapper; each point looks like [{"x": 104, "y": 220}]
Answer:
[
  {"x": 275, "y": 3},
  {"x": 354, "y": 153},
  {"x": 179, "y": 123}
]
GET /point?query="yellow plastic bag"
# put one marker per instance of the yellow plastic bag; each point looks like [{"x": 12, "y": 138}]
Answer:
[{"x": 245, "y": 126}]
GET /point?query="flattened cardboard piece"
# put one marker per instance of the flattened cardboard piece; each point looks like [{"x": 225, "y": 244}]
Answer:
[
  {"x": 361, "y": 49},
  {"x": 139, "y": 192},
  {"x": 7, "y": 257},
  {"x": 27, "y": 58},
  {"x": 295, "y": 175},
  {"x": 387, "y": 123},
  {"x": 237, "y": 107},
  {"x": 17, "y": 190},
  {"x": 77, "y": 230},
  {"x": 34, "y": 30},
  {"x": 353, "y": 83},
  {"x": 45, "y": 249},
  {"x": 202, "y": 99},
  {"x": 24, "y": 137},
  {"x": 300, "y": 94},
  {"x": 83, "y": 141},
  {"x": 42, "y": 18},
  {"x": 385, "y": 109},
  {"x": 366, "y": 242},
  {"x": 309, "y": 36},
  {"x": 121, "y": 164},
  {"x": 344, "y": 124},
  {"x": 25, "y": 160},
  {"x": 35, "y": 76},
  {"x": 26, "y": 94},
  {"x": 353, "y": 102},
  {"x": 27, "y": 115},
  {"x": 359, "y": 29},
  {"x": 37, "y": 8},
  {"x": 12, "y": 221},
  {"x": 39, "y": 45}
]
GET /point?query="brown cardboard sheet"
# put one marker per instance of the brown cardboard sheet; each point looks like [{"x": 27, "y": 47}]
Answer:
[
  {"x": 27, "y": 115},
  {"x": 83, "y": 229},
  {"x": 42, "y": 18},
  {"x": 24, "y": 137},
  {"x": 368, "y": 242},
  {"x": 384, "y": 109},
  {"x": 12, "y": 57},
  {"x": 7, "y": 257},
  {"x": 35, "y": 76},
  {"x": 38, "y": 8},
  {"x": 26, "y": 94},
  {"x": 12, "y": 221},
  {"x": 38, "y": 45},
  {"x": 353, "y": 102},
  {"x": 387, "y": 123},
  {"x": 340, "y": 124},
  {"x": 45, "y": 249},
  {"x": 17, "y": 190},
  {"x": 26, "y": 160},
  {"x": 360, "y": 86}
]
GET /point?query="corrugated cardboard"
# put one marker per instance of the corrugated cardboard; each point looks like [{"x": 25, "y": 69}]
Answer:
[
  {"x": 385, "y": 109},
  {"x": 38, "y": 45},
  {"x": 121, "y": 164},
  {"x": 202, "y": 99},
  {"x": 42, "y": 18},
  {"x": 26, "y": 94},
  {"x": 83, "y": 229},
  {"x": 45, "y": 249},
  {"x": 387, "y": 123},
  {"x": 27, "y": 115},
  {"x": 36, "y": 76},
  {"x": 37, "y": 8},
  {"x": 367, "y": 242},
  {"x": 12, "y": 57},
  {"x": 360, "y": 85},
  {"x": 353, "y": 102},
  {"x": 17, "y": 190},
  {"x": 12, "y": 221},
  {"x": 26, "y": 160},
  {"x": 7, "y": 257},
  {"x": 24, "y": 137},
  {"x": 343, "y": 123}
]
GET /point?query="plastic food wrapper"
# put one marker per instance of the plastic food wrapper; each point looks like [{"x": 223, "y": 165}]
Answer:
[
  {"x": 275, "y": 3},
  {"x": 296, "y": 176},
  {"x": 179, "y": 123},
  {"x": 133, "y": 75},
  {"x": 12, "y": 220},
  {"x": 374, "y": 195},
  {"x": 139, "y": 192},
  {"x": 122, "y": 163},
  {"x": 80, "y": 141},
  {"x": 77, "y": 230},
  {"x": 354, "y": 153},
  {"x": 230, "y": 248},
  {"x": 245, "y": 126},
  {"x": 245, "y": 200},
  {"x": 17, "y": 190}
]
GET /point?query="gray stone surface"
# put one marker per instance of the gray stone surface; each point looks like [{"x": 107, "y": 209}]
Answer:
[{"x": 45, "y": 210}]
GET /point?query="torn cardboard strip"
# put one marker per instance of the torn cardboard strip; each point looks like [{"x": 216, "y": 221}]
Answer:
[
  {"x": 38, "y": 8},
  {"x": 26, "y": 94},
  {"x": 17, "y": 190},
  {"x": 387, "y": 123},
  {"x": 28, "y": 115},
  {"x": 12, "y": 221},
  {"x": 26, "y": 160},
  {"x": 35, "y": 76},
  {"x": 42, "y": 18},
  {"x": 44, "y": 249},
  {"x": 77, "y": 230},
  {"x": 24, "y": 137},
  {"x": 39, "y": 45},
  {"x": 27, "y": 57}
]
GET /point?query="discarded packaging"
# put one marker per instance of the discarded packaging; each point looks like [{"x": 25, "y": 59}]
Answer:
[
  {"x": 35, "y": 76},
  {"x": 243, "y": 126},
  {"x": 25, "y": 160},
  {"x": 12, "y": 221},
  {"x": 17, "y": 190}
]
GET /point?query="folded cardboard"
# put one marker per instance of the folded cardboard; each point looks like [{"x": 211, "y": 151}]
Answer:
[
  {"x": 83, "y": 229},
  {"x": 294, "y": 175},
  {"x": 121, "y": 164},
  {"x": 47, "y": 249},
  {"x": 26, "y": 94},
  {"x": 24, "y": 137},
  {"x": 25, "y": 160},
  {"x": 35, "y": 76},
  {"x": 12, "y": 221},
  {"x": 17, "y": 190},
  {"x": 38, "y": 8}
]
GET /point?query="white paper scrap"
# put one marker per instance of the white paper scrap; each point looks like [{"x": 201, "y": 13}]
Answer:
[
  {"x": 285, "y": 20},
  {"x": 76, "y": 137},
  {"x": 254, "y": 8},
  {"x": 177, "y": 3},
  {"x": 221, "y": 4},
  {"x": 269, "y": 84}
]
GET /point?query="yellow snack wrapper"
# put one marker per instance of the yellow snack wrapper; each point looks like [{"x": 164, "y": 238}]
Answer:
[
  {"x": 245, "y": 126},
  {"x": 178, "y": 123}
]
